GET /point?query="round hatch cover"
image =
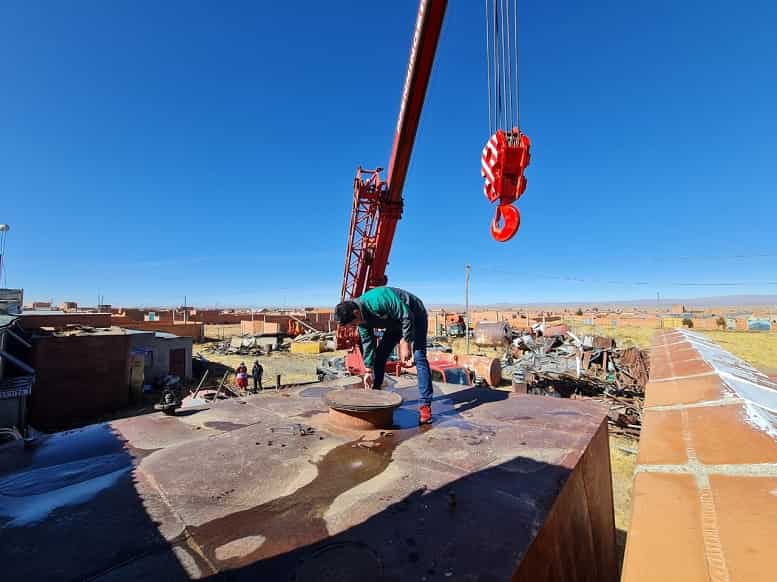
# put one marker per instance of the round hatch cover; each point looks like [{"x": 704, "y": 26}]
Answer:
[{"x": 360, "y": 400}]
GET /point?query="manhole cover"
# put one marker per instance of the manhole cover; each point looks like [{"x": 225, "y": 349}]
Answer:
[
  {"x": 341, "y": 562},
  {"x": 359, "y": 400}
]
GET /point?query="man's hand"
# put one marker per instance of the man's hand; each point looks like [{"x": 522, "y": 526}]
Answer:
[
  {"x": 405, "y": 353},
  {"x": 369, "y": 379}
]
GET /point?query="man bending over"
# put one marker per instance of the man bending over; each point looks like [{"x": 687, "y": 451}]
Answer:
[{"x": 403, "y": 317}]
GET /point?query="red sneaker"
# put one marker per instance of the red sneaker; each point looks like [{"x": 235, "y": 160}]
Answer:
[{"x": 425, "y": 414}]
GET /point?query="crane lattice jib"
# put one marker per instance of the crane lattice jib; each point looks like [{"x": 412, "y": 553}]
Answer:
[
  {"x": 377, "y": 205},
  {"x": 368, "y": 190}
]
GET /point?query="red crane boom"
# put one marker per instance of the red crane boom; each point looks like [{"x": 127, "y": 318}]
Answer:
[{"x": 377, "y": 204}]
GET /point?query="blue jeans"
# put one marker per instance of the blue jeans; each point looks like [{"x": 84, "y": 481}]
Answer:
[{"x": 387, "y": 344}]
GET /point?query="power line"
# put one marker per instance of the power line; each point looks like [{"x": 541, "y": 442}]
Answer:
[{"x": 632, "y": 283}]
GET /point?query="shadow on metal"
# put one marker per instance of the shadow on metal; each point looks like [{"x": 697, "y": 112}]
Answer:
[
  {"x": 70, "y": 509},
  {"x": 425, "y": 534}
]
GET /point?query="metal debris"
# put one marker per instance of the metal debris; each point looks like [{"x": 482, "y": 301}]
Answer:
[
  {"x": 331, "y": 368},
  {"x": 328, "y": 338},
  {"x": 241, "y": 345},
  {"x": 592, "y": 367}
]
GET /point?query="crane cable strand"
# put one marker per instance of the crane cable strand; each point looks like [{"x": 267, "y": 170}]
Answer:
[
  {"x": 497, "y": 66},
  {"x": 488, "y": 74},
  {"x": 502, "y": 64},
  {"x": 517, "y": 77},
  {"x": 508, "y": 65}
]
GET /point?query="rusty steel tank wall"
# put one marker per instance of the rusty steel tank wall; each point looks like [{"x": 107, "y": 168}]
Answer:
[
  {"x": 705, "y": 490},
  {"x": 492, "y": 333},
  {"x": 577, "y": 540}
]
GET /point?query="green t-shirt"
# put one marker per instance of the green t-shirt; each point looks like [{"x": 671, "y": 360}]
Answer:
[{"x": 387, "y": 308}]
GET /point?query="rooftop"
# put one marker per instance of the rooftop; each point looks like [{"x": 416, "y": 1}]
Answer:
[
  {"x": 85, "y": 330},
  {"x": 266, "y": 488},
  {"x": 165, "y": 335}
]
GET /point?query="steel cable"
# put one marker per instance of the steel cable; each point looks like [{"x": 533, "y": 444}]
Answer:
[
  {"x": 496, "y": 66},
  {"x": 499, "y": 81},
  {"x": 509, "y": 67},
  {"x": 488, "y": 74},
  {"x": 502, "y": 64},
  {"x": 517, "y": 77}
]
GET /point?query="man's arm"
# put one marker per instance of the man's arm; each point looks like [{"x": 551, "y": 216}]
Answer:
[{"x": 367, "y": 337}]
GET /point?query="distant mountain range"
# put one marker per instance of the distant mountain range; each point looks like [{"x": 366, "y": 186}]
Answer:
[{"x": 715, "y": 301}]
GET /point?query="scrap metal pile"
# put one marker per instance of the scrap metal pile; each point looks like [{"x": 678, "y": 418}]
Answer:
[
  {"x": 244, "y": 346},
  {"x": 327, "y": 336},
  {"x": 592, "y": 367}
]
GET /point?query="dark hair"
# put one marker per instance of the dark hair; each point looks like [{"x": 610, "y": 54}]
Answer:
[{"x": 344, "y": 312}]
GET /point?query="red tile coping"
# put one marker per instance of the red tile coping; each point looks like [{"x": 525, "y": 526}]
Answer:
[{"x": 705, "y": 490}]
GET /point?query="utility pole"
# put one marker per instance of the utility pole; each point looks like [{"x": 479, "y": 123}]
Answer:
[
  {"x": 4, "y": 228},
  {"x": 185, "y": 318},
  {"x": 466, "y": 306}
]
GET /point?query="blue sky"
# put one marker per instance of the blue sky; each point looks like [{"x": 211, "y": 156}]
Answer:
[{"x": 151, "y": 150}]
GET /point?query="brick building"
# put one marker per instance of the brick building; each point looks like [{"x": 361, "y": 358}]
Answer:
[{"x": 80, "y": 374}]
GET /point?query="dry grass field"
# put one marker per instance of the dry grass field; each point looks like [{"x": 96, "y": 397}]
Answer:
[{"x": 755, "y": 347}]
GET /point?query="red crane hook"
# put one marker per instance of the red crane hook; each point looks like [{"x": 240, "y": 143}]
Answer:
[{"x": 511, "y": 222}]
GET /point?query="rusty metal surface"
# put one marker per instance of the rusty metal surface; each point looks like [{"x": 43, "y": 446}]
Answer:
[
  {"x": 265, "y": 488},
  {"x": 638, "y": 364},
  {"x": 362, "y": 420},
  {"x": 489, "y": 369},
  {"x": 492, "y": 333},
  {"x": 360, "y": 400}
]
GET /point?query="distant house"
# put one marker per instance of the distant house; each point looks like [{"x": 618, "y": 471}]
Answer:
[
  {"x": 83, "y": 371},
  {"x": 163, "y": 354},
  {"x": 737, "y": 321},
  {"x": 759, "y": 324}
]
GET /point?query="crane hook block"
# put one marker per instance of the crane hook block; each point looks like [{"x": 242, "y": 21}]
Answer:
[{"x": 505, "y": 157}]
